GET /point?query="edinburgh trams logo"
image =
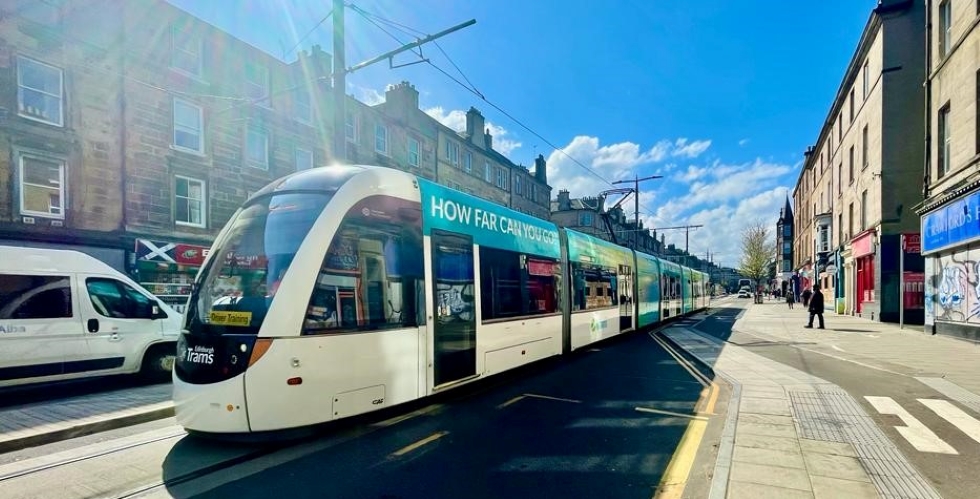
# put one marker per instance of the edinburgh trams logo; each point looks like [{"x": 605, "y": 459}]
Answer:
[{"x": 199, "y": 355}]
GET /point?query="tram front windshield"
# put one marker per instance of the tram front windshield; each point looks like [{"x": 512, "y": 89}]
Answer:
[{"x": 234, "y": 291}]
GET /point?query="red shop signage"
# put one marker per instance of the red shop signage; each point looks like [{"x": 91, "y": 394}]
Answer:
[
  {"x": 912, "y": 243},
  {"x": 863, "y": 245},
  {"x": 186, "y": 254}
]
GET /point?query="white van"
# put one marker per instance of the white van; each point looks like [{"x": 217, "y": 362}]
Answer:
[{"x": 66, "y": 315}]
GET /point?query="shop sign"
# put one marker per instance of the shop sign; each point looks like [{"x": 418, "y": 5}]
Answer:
[
  {"x": 165, "y": 252},
  {"x": 863, "y": 245},
  {"x": 953, "y": 224},
  {"x": 912, "y": 243},
  {"x": 186, "y": 254}
]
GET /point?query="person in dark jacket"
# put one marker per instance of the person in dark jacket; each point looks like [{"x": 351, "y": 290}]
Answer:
[
  {"x": 816, "y": 306},
  {"x": 806, "y": 294}
]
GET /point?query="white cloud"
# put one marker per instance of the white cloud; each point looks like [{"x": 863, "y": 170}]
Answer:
[
  {"x": 722, "y": 197},
  {"x": 366, "y": 95},
  {"x": 456, "y": 120},
  {"x": 692, "y": 150},
  {"x": 742, "y": 142}
]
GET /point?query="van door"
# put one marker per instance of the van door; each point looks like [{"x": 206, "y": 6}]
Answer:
[
  {"x": 118, "y": 321},
  {"x": 38, "y": 323}
]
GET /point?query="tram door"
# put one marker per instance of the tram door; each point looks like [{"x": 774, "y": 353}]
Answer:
[
  {"x": 625, "y": 287},
  {"x": 454, "y": 326}
]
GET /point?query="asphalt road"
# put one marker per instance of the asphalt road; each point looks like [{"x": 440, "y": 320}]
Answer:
[
  {"x": 954, "y": 476},
  {"x": 567, "y": 428}
]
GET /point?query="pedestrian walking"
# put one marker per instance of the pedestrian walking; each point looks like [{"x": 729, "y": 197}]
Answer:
[
  {"x": 806, "y": 294},
  {"x": 790, "y": 299},
  {"x": 816, "y": 307}
]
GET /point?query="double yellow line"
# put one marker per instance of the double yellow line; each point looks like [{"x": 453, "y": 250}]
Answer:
[{"x": 679, "y": 469}]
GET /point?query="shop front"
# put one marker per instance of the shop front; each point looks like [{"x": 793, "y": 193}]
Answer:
[
  {"x": 863, "y": 251},
  {"x": 167, "y": 269},
  {"x": 951, "y": 248}
]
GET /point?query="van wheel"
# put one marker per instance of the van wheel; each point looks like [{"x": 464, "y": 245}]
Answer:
[{"x": 158, "y": 363}]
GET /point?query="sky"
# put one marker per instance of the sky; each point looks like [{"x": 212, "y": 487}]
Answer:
[{"x": 720, "y": 98}]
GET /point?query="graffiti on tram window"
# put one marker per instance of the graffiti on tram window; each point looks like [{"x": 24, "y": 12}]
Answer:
[{"x": 953, "y": 291}]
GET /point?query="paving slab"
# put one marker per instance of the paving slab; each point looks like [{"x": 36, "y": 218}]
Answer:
[{"x": 60, "y": 419}]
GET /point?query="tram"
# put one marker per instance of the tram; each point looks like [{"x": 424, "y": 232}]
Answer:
[{"x": 345, "y": 289}]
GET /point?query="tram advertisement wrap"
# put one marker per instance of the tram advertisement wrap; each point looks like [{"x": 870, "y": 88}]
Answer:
[{"x": 453, "y": 211}]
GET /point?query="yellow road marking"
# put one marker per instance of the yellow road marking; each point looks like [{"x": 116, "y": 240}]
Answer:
[
  {"x": 511, "y": 401},
  {"x": 405, "y": 417},
  {"x": 675, "y": 478},
  {"x": 710, "y": 409},
  {"x": 671, "y": 413},
  {"x": 420, "y": 443},
  {"x": 552, "y": 398}
]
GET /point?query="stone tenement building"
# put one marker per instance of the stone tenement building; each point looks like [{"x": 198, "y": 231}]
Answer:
[
  {"x": 952, "y": 172},
  {"x": 859, "y": 183},
  {"x": 132, "y": 131},
  {"x": 590, "y": 216}
]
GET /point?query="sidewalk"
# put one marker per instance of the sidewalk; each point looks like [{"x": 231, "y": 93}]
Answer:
[
  {"x": 944, "y": 363},
  {"x": 791, "y": 434},
  {"x": 54, "y": 420}
]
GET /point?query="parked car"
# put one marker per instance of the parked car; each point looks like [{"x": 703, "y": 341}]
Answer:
[
  {"x": 744, "y": 293},
  {"x": 67, "y": 315}
]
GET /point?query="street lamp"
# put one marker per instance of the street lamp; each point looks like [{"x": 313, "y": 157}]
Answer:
[{"x": 636, "y": 202}]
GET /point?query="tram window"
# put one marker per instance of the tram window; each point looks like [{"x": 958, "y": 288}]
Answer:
[
  {"x": 371, "y": 278},
  {"x": 517, "y": 285},
  {"x": 593, "y": 287}
]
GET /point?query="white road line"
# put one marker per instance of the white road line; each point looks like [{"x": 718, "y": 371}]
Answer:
[
  {"x": 961, "y": 420},
  {"x": 917, "y": 434}
]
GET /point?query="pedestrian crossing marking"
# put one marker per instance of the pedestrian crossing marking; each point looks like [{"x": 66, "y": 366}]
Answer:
[
  {"x": 963, "y": 421},
  {"x": 916, "y": 433}
]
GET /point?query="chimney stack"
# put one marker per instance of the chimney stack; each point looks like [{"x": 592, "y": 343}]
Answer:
[{"x": 475, "y": 124}]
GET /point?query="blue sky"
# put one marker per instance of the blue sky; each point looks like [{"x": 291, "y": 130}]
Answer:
[{"x": 719, "y": 97}]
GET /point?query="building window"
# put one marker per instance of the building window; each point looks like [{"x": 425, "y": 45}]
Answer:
[
  {"x": 500, "y": 178},
  {"x": 864, "y": 209},
  {"x": 534, "y": 193},
  {"x": 867, "y": 80},
  {"x": 189, "y": 202},
  {"x": 186, "y": 52},
  {"x": 304, "y": 159},
  {"x": 945, "y": 28},
  {"x": 840, "y": 228},
  {"x": 787, "y": 231},
  {"x": 42, "y": 186},
  {"x": 850, "y": 165},
  {"x": 40, "y": 95},
  {"x": 302, "y": 107},
  {"x": 850, "y": 220},
  {"x": 585, "y": 220},
  {"x": 852, "y": 105},
  {"x": 452, "y": 152},
  {"x": 840, "y": 177},
  {"x": 257, "y": 148},
  {"x": 381, "y": 139},
  {"x": 517, "y": 186},
  {"x": 977, "y": 104},
  {"x": 944, "y": 140},
  {"x": 188, "y": 126},
  {"x": 487, "y": 172},
  {"x": 413, "y": 152},
  {"x": 864, "y": 147},
  {"x": 468, "y": 162},
  {"x": 257, "y": 82},
  {"x": 351, "y": 127},
  {"x": 840, "y": 128}
]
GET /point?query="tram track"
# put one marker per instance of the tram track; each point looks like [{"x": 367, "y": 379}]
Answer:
[{"x": 10, "y": 475}]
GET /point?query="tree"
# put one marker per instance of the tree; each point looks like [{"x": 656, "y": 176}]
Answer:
[{"x": 757, "y": 252}]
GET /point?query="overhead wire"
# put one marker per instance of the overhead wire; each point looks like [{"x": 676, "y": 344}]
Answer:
[
  {"x": 308, "y": 33},
  {"x": 469, "y": 86}
]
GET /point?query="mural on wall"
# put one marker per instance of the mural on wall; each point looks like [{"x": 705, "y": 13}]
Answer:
[{"x": 953, "y": 287}]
